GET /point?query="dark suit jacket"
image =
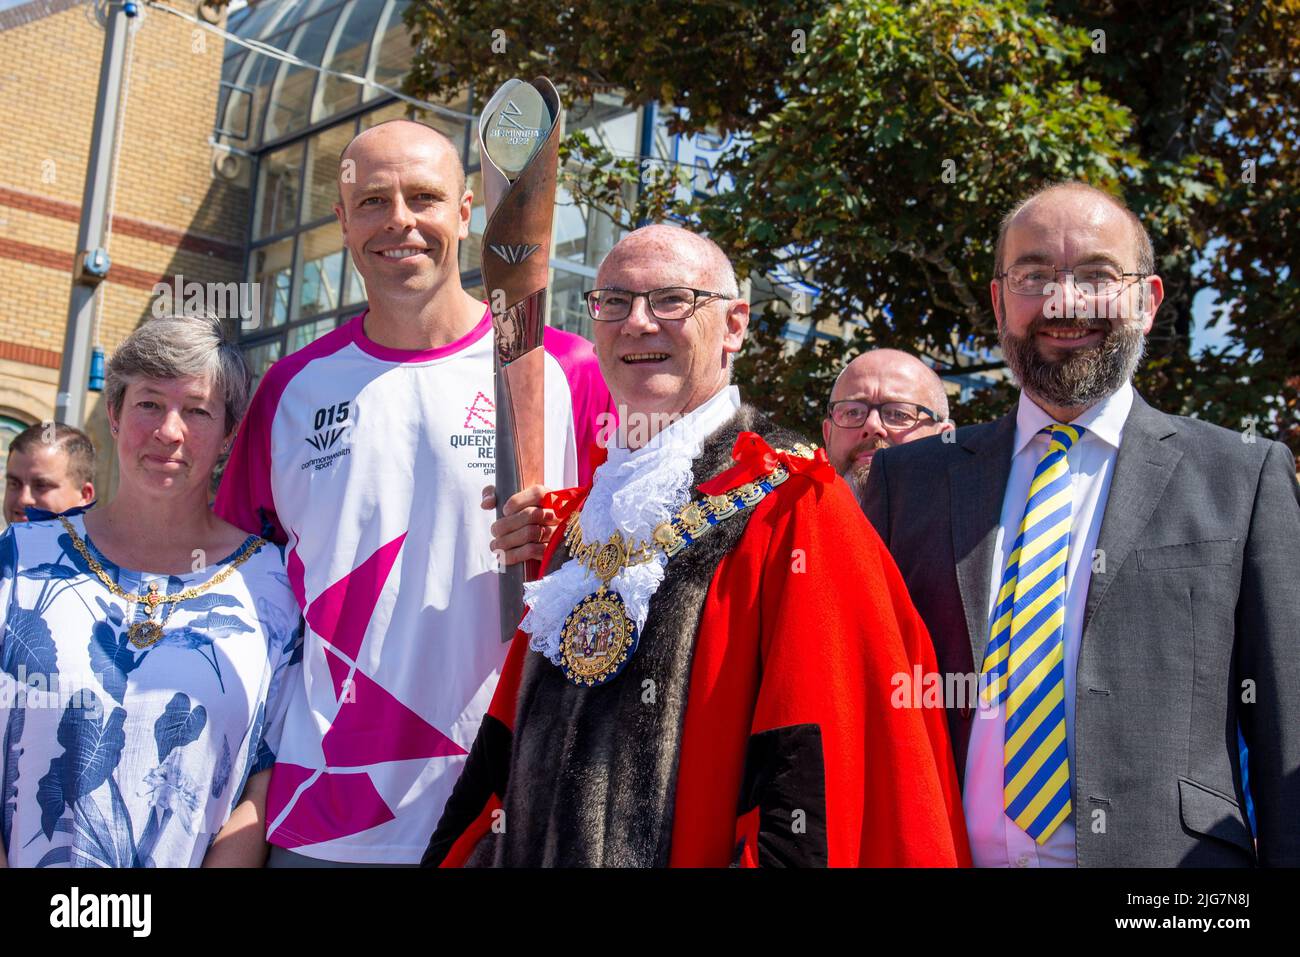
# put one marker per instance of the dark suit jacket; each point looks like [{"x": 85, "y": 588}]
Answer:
[{"x": 1192, "y": 627}]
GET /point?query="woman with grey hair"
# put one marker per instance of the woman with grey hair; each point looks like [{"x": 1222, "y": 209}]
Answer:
[{"x": 147, "y": 646}]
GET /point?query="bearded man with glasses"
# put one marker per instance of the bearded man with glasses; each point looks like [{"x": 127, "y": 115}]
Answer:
[
  {"x": 1117, "y": 583},
  {"x": 883, "y": 397}
]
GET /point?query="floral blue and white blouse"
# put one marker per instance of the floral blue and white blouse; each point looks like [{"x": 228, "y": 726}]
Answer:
[{"x": 115, "y": 756}]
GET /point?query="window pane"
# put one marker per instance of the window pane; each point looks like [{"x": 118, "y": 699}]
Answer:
[
  {"x": 260, "y": 358},
  {"x": 395, "y": 50},
  {"x": 292, "y": 94},
  {"x": 323, "y": 152},
  {"x": 570, "y": 229},
  {"x": 313, "y": 7},
  {"x": 581, "y": 236},
  {"x": 602, "y": 234},
  {"x": 320, "y": 252},
  {"x": 457, "y": 130},
  {"x": 568, "y": 311},
  {"x": 260, "y": 71},
  {"x": 699, "y": 155},
  {"x": 272, "y": 269},
  {"x": 608, "y": 122},
  {"x": 278, "y": 188},
  {"x": 237, "y": 20},
  {"x": 259, "y": 20},
  {"x": 235, "y": 114},
  {"x": 231, "y": 66},
  {"x": 393, "y": 111},
  {"x": 304, "y": 335},
  {"x": 232, "y": 116},
  {"x": 351, "y": 49},
  {"x": 356, "y": 292}
]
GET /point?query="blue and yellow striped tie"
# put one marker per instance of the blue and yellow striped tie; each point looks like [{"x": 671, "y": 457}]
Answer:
[{"x": 1024, "y": 667}]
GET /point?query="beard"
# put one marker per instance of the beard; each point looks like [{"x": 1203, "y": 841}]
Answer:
[
  {"x": 856, "y": 475},
  {"x": 1082, "y": 377},
  {"x": 857, "y": 479}
]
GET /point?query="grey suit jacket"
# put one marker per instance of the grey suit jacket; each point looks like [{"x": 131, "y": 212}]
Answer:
[{"x": 1192, "y": 627}]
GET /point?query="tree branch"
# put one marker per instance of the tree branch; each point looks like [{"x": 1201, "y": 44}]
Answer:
[
  {"x": 1178, "y": 146},
  {"x": 971, "y": 370}
]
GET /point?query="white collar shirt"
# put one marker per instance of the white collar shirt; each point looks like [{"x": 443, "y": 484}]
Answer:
[{"x": 996, "y": 840}]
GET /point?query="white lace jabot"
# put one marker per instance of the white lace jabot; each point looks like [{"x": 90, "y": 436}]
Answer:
[{"x": 632, "y": 492}]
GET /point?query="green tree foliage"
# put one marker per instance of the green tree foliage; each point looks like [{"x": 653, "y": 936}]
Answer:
[{"x": 878, "y": 145}]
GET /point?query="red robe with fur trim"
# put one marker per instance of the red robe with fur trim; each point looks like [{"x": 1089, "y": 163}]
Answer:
[{"x": 790, "y": 750}]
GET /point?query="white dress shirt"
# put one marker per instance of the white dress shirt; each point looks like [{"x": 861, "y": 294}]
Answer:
[{"x": 996, "y": 840}]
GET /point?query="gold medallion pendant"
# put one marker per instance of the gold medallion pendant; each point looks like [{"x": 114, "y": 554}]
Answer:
[
  {"x": 145, "y": 633},
  {"x": 597, "y": 638}
]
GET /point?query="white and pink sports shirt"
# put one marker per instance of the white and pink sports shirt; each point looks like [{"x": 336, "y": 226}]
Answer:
[{"x": 370, "y": 462}]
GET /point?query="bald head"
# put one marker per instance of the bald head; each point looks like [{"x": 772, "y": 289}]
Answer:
[
  {"x": 396, "y": 135},
  {"x": 712, "y": 270},
  {"x": 1143, "y": 252},
  {"x": 903, "y": 377},
  {"x": 404, "y": 211},
  {"x": 658, "y": 367},
  {"x": 854, "y": 433}
]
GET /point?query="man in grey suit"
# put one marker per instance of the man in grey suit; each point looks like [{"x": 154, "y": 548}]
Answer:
[{"x": 1124, "y": 583}]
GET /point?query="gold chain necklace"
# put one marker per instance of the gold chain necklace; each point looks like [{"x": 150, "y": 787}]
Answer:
[
  {"x": 598, "y": 635},
  {"x": 610, "y": 557},
  {"x": 145, "y": 633},
  {"x": 606, "y": 558}
]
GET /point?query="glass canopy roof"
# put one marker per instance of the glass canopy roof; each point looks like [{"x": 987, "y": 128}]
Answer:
[{"x": 264, "y": 100}]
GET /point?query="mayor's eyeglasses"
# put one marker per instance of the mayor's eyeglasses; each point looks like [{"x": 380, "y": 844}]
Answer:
[{"x": 669, "y": 302}]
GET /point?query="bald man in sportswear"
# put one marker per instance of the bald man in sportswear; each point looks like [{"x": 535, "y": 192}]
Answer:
[{"x": 365, "y": 455}]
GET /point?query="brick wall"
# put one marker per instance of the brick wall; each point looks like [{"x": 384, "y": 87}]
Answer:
[{"x": 172, "y": 213}]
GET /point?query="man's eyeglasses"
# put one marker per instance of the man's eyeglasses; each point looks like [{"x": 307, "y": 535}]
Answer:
[
  {"x": 669, "y": 302},
  {"x": 894, "y": 416},
  {"x": 1100, "y": 280}
]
